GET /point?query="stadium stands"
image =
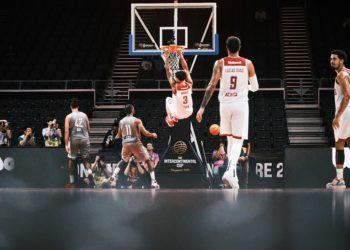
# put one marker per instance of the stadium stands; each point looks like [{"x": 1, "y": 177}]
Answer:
[
  {"x": 60, "y": 40},
  {"x": 33, "y": 110}
]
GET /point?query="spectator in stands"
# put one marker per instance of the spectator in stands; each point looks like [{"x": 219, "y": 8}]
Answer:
[
  {"x": 134, "y": 175},
  {"x": 243, "y": 164},
  {"x": 110, "y": 140},
  {"x": 260, "y": 15},
  {"x": 52, "y": 134},
  {"x": 5, "y": 134},
  {"x": 219, "y": 156},
  {"x": 27, "y": 139}
]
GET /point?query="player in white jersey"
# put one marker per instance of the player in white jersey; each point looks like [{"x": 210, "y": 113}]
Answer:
[
  {"x": 341, "y": 122},
  {"x": 180, "y": 105},
  {"x": 237, "y": 76}
]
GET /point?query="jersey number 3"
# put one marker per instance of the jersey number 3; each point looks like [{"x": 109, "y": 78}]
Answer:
[
  {"x": 233, "y": 83},
  {"x": 185, "y": 100}
]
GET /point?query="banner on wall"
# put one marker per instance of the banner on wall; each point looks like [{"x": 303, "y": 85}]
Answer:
[{"x": 266, "y": 170}]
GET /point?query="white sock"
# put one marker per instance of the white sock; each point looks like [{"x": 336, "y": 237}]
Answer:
[
  {"x": 233, "y": 155},
  {"x": 340, "y": 173},
  {"x": 71, "y": 178},
  {"x": 153, "y": 176},
  {"x": 229, "y": 144}
]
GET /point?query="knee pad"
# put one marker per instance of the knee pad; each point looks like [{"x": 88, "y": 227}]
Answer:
[{"x": 339, "y": 156}]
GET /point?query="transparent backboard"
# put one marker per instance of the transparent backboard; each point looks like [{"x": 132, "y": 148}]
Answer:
[{"x": 192, "y": 25}]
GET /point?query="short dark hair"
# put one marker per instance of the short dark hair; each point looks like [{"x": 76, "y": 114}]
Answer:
[
  {"x": 233, "y": 44},
  {"x": 341, "y": 54},
  {"x": 181, "y": 75},
  {"x": 74, "y": 103},
  {"x": 128, "y": 109}
]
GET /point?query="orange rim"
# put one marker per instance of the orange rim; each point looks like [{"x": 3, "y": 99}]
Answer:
[{"x": 172, "y": 48}]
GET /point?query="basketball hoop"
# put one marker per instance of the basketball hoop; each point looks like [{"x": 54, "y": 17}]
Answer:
[{"x": 173, "y": 56}]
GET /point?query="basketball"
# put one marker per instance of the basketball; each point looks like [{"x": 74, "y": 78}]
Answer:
[{"x": 214, "y": 129}]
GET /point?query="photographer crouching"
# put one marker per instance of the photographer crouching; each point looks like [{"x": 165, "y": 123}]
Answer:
[
  {"x": 27, "y": 139},
  {"x": 52, "y": 134},
  {"x": 5, "y": 134}
]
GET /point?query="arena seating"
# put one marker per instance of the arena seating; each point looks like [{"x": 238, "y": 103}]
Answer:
[
  {"x": 33, "y": 110},
  {"x": 61, "y": 40},
  {"x": 327, "y": 111},
  {"x": 331, "y": 32},
  {"x": 267, "y": 128}
]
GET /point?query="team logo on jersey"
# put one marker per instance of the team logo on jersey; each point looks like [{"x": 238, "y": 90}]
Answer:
[{"x": 179, "y": 147}]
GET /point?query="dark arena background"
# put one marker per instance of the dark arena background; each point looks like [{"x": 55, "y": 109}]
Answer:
[{"x": 107, "y": 54}]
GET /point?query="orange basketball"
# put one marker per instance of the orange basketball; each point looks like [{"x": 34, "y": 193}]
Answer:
[{"x": 214, "y": 129}]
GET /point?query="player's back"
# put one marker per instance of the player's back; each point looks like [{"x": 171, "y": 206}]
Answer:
[
  {"x": 338, "y": 91},
  {"x": 78, "y": 124},
  {"x": 130, "y": 129},
  {"x": 234, "y": 80}
]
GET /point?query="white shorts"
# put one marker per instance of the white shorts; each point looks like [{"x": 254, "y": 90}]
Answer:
[
  {"x": 234, "y": 119},
  {"x": 343, "y": 132},
  {"x": 172, "y": 109}
]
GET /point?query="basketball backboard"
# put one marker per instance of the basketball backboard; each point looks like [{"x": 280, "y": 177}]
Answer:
[{"x": 192, "y": 25}]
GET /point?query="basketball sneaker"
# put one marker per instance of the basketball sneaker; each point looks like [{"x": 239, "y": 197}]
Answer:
[
  {"x": 169, "y": 121},
  {"x": 155, "y": 185},
  {"x": 69, "y": 185},
  {"x": 230, "y": 181},
  {"x": 336, "y": 184}
]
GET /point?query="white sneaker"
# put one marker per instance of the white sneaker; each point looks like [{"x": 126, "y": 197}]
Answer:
[
  {"x": 230, "y": 181},
  {"x": 336, "y": 184},
  {"x": 155, "y": 185}
]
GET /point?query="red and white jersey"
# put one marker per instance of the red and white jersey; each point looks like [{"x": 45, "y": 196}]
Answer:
[
  {"x": 234, "y": 80},
  {"x": 338, "y": 91},
  {"x": 183, "y": 98}
]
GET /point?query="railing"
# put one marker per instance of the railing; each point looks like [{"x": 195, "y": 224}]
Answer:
[{"x": 101, "y": 86}]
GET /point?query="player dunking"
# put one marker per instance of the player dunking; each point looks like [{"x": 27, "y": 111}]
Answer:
[
  {"x": 76, "y": 138},
  {"x": 341, "y": 122},
  {"x": 180, "y": 105},
  {"x": 235, "y": 73},
  {"x": 130, "y": 130}
]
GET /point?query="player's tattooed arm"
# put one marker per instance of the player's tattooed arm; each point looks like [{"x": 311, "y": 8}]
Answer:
[
  {"x": 212, "y": 84},
  {"x": 119, "y": 134},
  {"x": 343, "y": 80},
  {"x": 210, "y": 89}
]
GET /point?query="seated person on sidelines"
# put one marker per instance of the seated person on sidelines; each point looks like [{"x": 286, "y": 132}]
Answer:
[
  {"x": 5, "y": 134},
  {"x": 219, "y": 156},
  {"x": 243, "y": 164},
  {"x": 102, "y": 173},
  {"x": 134, "y": 175},
  {"x": 52, "y": 134},
  {"x": 27, "y": 139},
  {"x": 154, "y": 157}
]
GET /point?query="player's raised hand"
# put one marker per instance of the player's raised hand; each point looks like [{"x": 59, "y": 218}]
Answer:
[{"x": 199, "y": 115}]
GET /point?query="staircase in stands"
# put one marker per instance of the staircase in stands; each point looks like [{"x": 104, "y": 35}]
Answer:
[
  {"x": 305, "y": 124},
  {"x": 297, "y": 56},
  {"x": 125, "y": 71}
]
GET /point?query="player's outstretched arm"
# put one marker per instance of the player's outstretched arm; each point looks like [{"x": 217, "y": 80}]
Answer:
[
  {"x": 253, "y": 80},
  {"x": 167, "y": 70},
  {"x": 144, "y": 131},
  {"x": 210, "y": 89},
  {"x": 344, "y": 82}
]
